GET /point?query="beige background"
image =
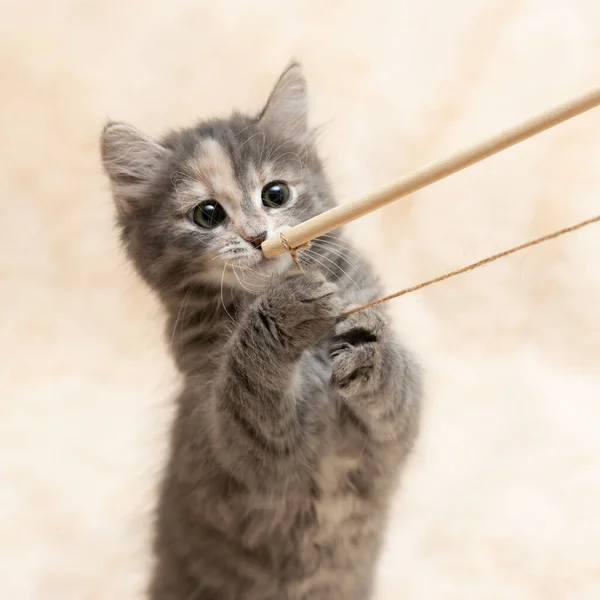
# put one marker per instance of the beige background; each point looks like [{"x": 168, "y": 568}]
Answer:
[{"x": 502, "y": 497}]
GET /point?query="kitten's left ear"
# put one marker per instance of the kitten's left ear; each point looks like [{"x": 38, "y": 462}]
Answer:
[{"x": 287, "y": 107}]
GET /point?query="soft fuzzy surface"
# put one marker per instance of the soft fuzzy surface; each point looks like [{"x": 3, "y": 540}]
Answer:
[{"x": 501, "y": 498}]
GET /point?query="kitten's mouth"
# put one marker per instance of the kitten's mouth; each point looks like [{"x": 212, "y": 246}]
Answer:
[
  {"x": 250, "y": 272},
  {"x": 255, "y": 260}
]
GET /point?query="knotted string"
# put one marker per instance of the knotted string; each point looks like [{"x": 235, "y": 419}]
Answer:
[
  {"x": 480, "y": 263},
  {"x": 294, "y": 251}
]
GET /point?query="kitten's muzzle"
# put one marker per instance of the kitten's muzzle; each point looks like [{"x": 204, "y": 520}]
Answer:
[{"x": 257, "y": 240}]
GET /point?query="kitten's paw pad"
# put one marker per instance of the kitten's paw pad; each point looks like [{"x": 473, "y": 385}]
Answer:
[
  {"x": 353, "y": 369},
  {"x": 355, "y": 353},
  {"x": 305, "y": 306}
]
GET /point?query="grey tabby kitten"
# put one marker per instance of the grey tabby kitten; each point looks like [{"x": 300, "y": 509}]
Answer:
[{"x": 293, "y": 422}]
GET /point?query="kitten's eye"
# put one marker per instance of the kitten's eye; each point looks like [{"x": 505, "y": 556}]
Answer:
[
  {"x": 208, "y": 214},
  {"x": 275, "y": 194}
]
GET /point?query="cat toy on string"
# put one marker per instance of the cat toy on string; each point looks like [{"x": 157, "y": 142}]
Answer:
[{"x": 300, "y": 236}]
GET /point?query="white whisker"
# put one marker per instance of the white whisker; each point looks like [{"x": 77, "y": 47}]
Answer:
[
  {"x": 223, "y": 301},
  {"x": 252, "y": 136},
  {"x": 358, "y": 288},
  {"x": 247, "y": 289},
  {"x": 245, "y": 129},
  {"x": 179, "y": 316},
  {"x": 262, "y": 149},
  {"x": 313, "y": 256},
  {"x": 254, "y": 271},
  {"x": 326, "y": 244}
]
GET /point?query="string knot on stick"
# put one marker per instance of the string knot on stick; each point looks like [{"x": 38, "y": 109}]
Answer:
[{"x": 294, "y": 251}]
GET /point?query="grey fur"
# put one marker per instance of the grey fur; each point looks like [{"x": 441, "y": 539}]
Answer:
[{"x": 293, "y": 423}]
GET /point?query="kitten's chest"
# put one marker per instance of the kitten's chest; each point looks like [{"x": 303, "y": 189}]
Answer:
[
  {"x": 332, "y": 494},
  {"x": 341, "y": 483}
]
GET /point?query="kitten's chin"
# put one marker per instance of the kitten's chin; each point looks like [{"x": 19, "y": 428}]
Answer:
[
  {"x": 249, "y": 275},
  {"x": 264, "y": 269}
]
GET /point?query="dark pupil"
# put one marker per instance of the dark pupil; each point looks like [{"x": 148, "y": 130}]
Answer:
[
  {"x": 209, "y": 214},
  {"x": 275, "y": 194}
]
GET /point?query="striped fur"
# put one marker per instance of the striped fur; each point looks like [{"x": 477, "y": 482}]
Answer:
[{"x": 292, "y": 423}]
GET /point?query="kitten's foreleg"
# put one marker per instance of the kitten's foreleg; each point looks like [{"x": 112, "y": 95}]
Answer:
[
  {"x": 264, "y": 426},
  {"x": 377, "y": 378}
]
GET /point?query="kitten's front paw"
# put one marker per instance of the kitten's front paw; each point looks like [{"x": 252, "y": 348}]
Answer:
[
  {"x": 356, "y": 353},
  {"x": 300, "y": 309}
]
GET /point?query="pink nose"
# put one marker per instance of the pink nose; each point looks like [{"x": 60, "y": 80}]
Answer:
[{"x": 256, "y": 240}]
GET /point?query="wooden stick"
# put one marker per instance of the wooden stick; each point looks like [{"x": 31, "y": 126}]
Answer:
[{"x": 340, "y": 215}]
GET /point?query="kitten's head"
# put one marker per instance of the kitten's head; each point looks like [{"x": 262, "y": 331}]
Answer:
[{"x": 204, "y": 198}]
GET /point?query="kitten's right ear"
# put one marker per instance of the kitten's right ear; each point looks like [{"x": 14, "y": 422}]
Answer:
[
  {"x": 287, "y": 107},
  {"x": 131, "y": 160}
]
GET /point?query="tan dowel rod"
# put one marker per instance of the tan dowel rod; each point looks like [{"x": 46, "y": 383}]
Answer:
[{"x": 340, "y": 215}]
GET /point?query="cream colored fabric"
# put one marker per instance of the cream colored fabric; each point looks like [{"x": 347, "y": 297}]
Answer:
[{"x": 501, "y": 497}]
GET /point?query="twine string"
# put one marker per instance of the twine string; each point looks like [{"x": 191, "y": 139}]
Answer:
[
  {"x": 294, "y": 251},
  {"x": 480, "y": 263}
]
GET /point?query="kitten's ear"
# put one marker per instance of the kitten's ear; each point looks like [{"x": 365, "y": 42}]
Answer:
[
  {"x": 287, "y": 107},
  {"x": 131, "y": 160}
]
